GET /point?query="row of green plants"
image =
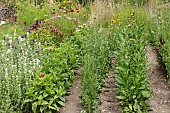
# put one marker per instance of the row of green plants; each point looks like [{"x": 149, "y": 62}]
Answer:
[
  {"x": 38, "y": 67},
  {"x": 52, "y": 79},
  {"x": 19, "y": 57},
  {"x": 163, "y": 24},
  {"x": 32, "y": 76},
  {"x": 95, "y": 62},
  {"x": 132, "y": 85}
]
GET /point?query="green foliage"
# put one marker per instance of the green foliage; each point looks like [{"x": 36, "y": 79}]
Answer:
[
  {"x": 139, "y": 2},
  {"x": 42, "y": 91},
  {"x": 132, "y": 85},
  {"x": 46, "y": 93},
  {"x": 53, "y": 78},
  {"x": 19, "y": 58},
  {"x": 85, "y": 2},
  {"x": 95, "y": 67},
  {"x": 164, "y": 40},
  {"x": 29, "y": 13}
]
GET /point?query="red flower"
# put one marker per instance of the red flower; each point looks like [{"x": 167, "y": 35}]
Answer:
[
  {"x": 161, "y": 41},
  {"x": 41, "y": 75},
  {"x": 60, "y": 35},
  {"x": 51, "y": 30},
  {"x": 62, "y": 41},
  {"x": 25, "y": 23},
  {"x": 71, "y": 32}
]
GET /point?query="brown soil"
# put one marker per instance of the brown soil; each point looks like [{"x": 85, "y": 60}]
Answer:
[
  {"x": 160, "y": 100},
  {"x": 73, "y": 104},
  {"x": 109, "y": 103}
]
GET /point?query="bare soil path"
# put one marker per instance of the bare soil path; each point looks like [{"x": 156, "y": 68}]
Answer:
[
  {"x": 109, "y": 103},
  {"x": 73, "y": 104},
  {"x": 160, "y": 100}
]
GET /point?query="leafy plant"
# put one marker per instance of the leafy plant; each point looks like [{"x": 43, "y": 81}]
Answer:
[
  {"x": 19, "y": 59},
  {"x": 164, "y": 40},
  {"x": 95, "y": 67},
  {"x": 45, "y": 95},
  {"x": 132, "y": 84},
  {"x": 52, "y": 79}
]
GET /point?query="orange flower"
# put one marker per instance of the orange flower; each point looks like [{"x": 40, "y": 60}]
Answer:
[{"x": 50, "y": 48}]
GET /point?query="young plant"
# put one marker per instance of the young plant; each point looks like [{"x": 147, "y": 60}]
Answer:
[
  {"x": 53, "y": 78},
  {"x": 132, "y": 84},
  {"x": 95, "y": 67}
]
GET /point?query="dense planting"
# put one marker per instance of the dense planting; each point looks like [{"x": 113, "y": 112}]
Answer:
[
  {"x": 95, "y": 67},
  {"x": 132, "y": 85},
  {"x": 163, "y": 24},
  {"x": 19, "y": 59},
  {"x": 42, "y": 43}
]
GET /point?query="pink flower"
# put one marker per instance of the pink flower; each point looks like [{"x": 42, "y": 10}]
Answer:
[
  {"x": 75, "y": 19},
  {"x": 41, "y": 75},
  {"x": 62, "y": 41},
  {"x": 63, "y": 11},
  {"x": 68, "y": 17},
  {"x": 58, "y": 16}
]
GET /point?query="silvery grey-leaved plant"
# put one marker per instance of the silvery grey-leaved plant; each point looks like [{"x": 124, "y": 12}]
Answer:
[{"x": 19, "y": 57}]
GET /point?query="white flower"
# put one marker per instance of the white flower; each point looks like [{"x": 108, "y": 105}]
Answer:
[
  {"x": 10, "y": 41},
  {"x": 77, "y": 30},
  {"x": 8, "y": 51},
  {"x": 15, "y": 32},
  {"x": 2, "y": 23}
]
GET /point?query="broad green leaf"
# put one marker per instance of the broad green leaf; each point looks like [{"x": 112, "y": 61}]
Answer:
[
  {"x": 146, "y": 94},
  {"x": 44, "y": 102},
  {"x": 45, "y": 94},
  {"x": 130, "y": 106},
  {"x": 51, "y": 107},
  {"x": 120, "y": 97},
  {"x": 62, "y": 98},
  {"x": 51, "y": 101},
  {"x": 27, "y": 100},
  {"x": 135, "y": 106},
  {"x": 34, "y": 107},
  {"x": 54, "y": 104},
  {"x": 56, "y": 96},
  {"x": 40, "y": 98},
  {"x": 61, "y": 103},
  {"x": 42, "y": 108}
]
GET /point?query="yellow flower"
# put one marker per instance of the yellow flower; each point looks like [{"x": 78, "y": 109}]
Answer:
[
  {"x": 120, "y": 23},
  {"x": 113, "y": 21},
  {"x": 116, "y": 16},
  {"x": 133, "y": 21}
]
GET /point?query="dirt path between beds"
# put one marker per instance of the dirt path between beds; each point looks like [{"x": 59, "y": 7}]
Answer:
[
  {"x": 73, "y": 104},
  {"x": 160, "y": 100},
  {"x": 109, "y": 103}
]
